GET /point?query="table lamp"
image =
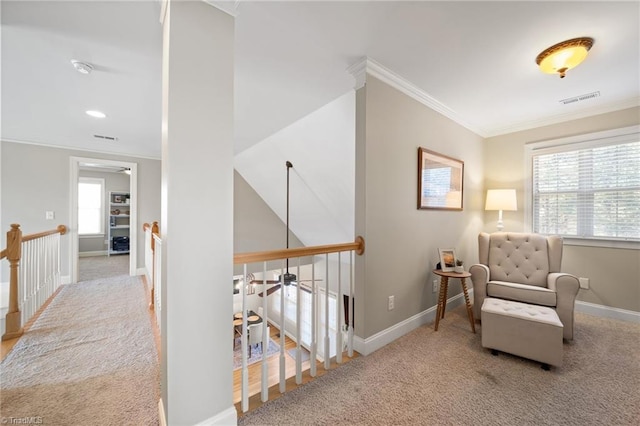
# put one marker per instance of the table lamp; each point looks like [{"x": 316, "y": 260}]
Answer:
[{"x": 501, "y": 199}]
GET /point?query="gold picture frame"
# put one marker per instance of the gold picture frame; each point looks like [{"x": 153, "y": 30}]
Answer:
[{"x": 440, "y": 181}]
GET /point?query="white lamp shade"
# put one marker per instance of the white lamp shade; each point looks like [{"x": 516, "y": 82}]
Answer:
[{"x": 501, "y": 199}]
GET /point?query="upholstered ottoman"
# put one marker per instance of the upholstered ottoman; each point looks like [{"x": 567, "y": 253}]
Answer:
[{"x": 529, "y": 331}]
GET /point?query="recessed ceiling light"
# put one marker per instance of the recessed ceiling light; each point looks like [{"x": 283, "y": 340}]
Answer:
[
  {"x": 82, "y": 67},
  {"x": 96, "y": 114}
]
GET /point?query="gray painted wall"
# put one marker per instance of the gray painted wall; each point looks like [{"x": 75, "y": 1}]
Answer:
[
  {"x": 112, "y": 182},
  {"x": 37, "y": 178},
  {"x": 614, "y": 273},
  {"x": 256, "y": 227},
  {"x": 402, "y": 241}
]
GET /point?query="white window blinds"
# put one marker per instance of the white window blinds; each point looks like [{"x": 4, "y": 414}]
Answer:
[{"x": 588, "y": 192}]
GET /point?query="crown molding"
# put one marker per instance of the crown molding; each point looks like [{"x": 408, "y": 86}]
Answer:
[
  {"x": 366, "y": 65},
  {"x": 83, "y": 149},
  {"x": 228, "y": 6},
  {"x": 359, "y": 73},
  {"x": 561, "y": 118}
]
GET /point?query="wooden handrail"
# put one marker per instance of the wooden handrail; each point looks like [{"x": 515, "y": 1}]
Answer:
[
  {"x": 13, "y": 253},
  {"x": 263, "y": 256},
  {"x": 60, "y": 229}
]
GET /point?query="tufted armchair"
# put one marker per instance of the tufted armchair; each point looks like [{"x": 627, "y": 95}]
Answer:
[{"x": 524, "y": 268}]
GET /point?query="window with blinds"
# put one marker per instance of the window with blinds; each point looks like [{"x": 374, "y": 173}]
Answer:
[
  {"x": 91, "y": 213},
  {"x": 589, "y": 191}
]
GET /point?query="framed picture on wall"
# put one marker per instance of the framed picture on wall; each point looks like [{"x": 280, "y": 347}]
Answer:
[
  {"x": 447, "y": 259},
  {"x": 440, "y": 181}
]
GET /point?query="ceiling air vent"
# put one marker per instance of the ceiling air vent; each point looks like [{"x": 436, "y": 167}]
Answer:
[
  {"x": 107, "y": 138},
  {"x": 580, "y": 98}
]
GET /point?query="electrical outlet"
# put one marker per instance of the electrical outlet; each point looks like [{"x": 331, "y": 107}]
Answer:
[
  {"x": 49, "y": 215},
  {"x": 584, "y": 283},
  {"x": 435, "y": 285},
  {"x": 391, "y": 302}
]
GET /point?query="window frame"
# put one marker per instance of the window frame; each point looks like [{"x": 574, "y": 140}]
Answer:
[
  {"x": 574, "y": 143},
  {"x": 103, "y": 210}
]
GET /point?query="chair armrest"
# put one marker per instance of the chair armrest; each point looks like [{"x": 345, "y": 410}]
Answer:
[
  {"x": 479, "y": 279},
  {"x": 566, "y": 287}
]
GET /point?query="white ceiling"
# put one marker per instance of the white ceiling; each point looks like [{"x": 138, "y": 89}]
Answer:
[{"x": 476, "y": 59}]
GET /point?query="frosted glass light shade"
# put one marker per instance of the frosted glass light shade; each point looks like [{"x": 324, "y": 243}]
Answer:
[{"x": 564, "y": 56}]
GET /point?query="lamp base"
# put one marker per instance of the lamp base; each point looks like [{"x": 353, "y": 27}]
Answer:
[{"x": 500, "y": 223}]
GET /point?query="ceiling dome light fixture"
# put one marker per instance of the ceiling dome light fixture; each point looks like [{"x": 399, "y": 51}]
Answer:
[
  {"x": 563, "y": 56},
  {"x": 82, "y": 67},
  {"x": 96, "y": 114}
]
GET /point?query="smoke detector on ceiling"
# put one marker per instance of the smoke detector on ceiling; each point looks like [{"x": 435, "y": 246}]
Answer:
[{"x": 82, "y": 67}]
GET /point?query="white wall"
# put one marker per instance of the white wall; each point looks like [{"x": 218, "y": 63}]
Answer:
[
  {"x": 321, "y": 147},
  {"x": 255, "y": 226},
  {"x": 402, "y": 241},
  {"x": 197, "y": 214},
  {"x": 36, "y": 179},
  {"x": 614, "y": 273}
]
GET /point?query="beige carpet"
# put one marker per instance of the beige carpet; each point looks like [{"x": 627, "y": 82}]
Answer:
[
  {"x": 95, "y": 267},
  {"x": 447, "y": 378},
  {"x": 90, "y": 359}
]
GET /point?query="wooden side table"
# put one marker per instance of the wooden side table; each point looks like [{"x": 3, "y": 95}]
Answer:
[{"x": 442, "y": 298}]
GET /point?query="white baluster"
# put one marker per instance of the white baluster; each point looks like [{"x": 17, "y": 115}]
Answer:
[
  {"x": 283, "y": 376},
  {"x": 351, "y": 301},
  {"x": 338, "y": 314},
  {"x": 327, "y": 341},
  {"x": 298, "y": 328},
  {"x": 265, "y": 342},
  {"x": 243, "y": 348},
  {"x": 314, "y": 320}
]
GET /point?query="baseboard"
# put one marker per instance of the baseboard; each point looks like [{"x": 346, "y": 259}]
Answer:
[
  {"x": 93, "y": 253},
  {"x": 226, "y": 417},
  {"x": 65, "y": 279},
  {"x": 162, "y": 420},
  {"x": 141, "y": 271},
  {"x": 607, "y": 312},
  {"x": 384, "y": 337}
]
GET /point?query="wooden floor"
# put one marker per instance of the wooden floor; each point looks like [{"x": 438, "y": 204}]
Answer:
[{"x": 273, "y": 367}]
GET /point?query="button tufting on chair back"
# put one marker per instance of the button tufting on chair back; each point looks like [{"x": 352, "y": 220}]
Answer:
[{"x": 519, "y": 258}]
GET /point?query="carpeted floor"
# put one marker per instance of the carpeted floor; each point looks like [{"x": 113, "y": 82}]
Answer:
[
  {"x": 95, "y": 267},
  {"x": 447, "y": 378},
  {"x": 89, "y": 359}
]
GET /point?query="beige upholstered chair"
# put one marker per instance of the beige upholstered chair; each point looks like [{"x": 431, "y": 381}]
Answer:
[{"x": 524, "y": 268}]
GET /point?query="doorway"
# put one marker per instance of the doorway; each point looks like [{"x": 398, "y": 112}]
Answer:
[{"x": 99, "y": 165}]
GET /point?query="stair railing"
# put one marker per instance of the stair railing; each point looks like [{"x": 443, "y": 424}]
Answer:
[
  {"x": 34, "y": 262},
  {"x": 317, "y": 293},
  {"x": 152, "y": 262}
]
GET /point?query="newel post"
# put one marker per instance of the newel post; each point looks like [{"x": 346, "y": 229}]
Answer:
[
  {"x": 155, "y": 230},
  {"x": 13, "y": 323}
]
